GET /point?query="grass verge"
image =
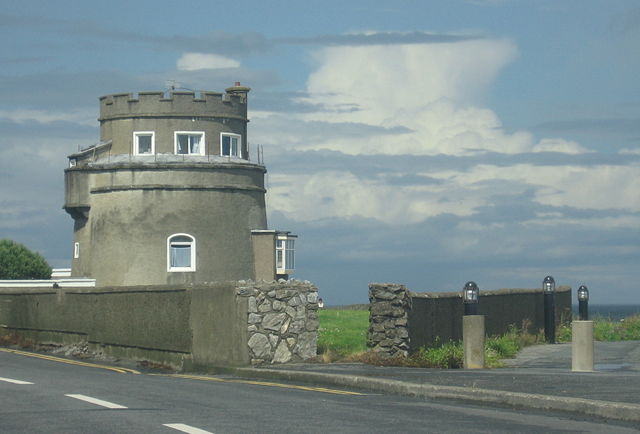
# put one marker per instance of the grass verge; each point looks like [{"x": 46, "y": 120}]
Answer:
[
  {"x": 343, "y": 337},
  {"x": 342, "y": 333}
]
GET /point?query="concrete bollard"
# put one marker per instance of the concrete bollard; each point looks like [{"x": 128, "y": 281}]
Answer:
[
  {"x": 473, "y": 341},
  {"x": 582, "y": 346}
]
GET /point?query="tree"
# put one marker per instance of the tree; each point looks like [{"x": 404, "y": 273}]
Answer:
[{"x": 18, "y": 262}]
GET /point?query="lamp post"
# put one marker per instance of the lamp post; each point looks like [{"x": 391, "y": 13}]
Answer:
[
  {"x": 472, "y": 328},
  {"x": 583, "y": 303},
  {"x": 470, "y": 295},
  {"x": 549, "y": 288}
]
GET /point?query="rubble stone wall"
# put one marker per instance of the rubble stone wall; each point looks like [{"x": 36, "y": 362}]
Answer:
[
  {"x": 282, "y": 322},
  {"x": 389, "y": 307}
]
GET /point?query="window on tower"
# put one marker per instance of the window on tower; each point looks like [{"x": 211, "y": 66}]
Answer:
[
  {"x": 285, "y": 253},
  {"x": 143, "y": 142},
  {"x": 189, "y": 142},
  {"x": 231, "y": 145},
  {"x": 181, "y": 253}
]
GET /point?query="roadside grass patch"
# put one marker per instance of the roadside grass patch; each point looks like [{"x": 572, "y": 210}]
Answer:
[
  {"x": 342, "y": 332},
  {"x": 605, "y": 329},
  {"x": 343, "y": 337}
]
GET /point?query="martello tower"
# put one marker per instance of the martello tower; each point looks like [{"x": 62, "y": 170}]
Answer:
[{"x": 170, "y": 195}]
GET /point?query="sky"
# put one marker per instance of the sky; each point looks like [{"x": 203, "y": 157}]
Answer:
[{"x": 427, "y": 143}]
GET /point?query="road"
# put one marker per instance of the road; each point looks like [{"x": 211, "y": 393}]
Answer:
[{"x": 57, "y": 396}]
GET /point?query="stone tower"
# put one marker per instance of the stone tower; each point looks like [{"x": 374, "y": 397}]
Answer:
[{"x": 170, "y": 196}]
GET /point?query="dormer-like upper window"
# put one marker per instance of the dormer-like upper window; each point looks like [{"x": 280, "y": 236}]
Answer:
[
  {"x": 189, "y": 142},
  {"x": 144, "y": 143},
  {"x": 231, "y": 145}
]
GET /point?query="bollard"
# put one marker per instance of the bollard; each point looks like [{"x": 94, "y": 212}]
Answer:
[
  {"x": 582, "y": 346},
  {"x": 473, "y": 341},
  {"x": 549, "y": 287}
]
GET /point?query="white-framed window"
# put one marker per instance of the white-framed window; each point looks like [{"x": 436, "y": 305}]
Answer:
[
  {"x": 181, "y": 253},
  {"x": 189, "y": 142},
  {"x": 285, "y": 254},
  {"x": 144, "y": 143},
  {"x": 231, "y": 145},
  {"x": 76, "y": 250}
]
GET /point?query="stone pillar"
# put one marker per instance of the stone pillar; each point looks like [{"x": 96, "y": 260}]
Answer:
[
  {"x": 473, "y": 341},
  {"x": 282, "y": 320},
  {"x": 389, "y": 305},
  {"x": 582, "y": 346}
]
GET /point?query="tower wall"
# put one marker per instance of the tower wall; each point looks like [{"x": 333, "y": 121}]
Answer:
[
  {"x": 212, "y": 113},
  {"x": 125, "y": 207}
]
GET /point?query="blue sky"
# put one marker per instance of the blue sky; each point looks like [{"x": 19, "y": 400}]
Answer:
[{"x": 420, "y": 142}]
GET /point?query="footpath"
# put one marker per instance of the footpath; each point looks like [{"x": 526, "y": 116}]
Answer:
[{"x": 539, "y": 378}]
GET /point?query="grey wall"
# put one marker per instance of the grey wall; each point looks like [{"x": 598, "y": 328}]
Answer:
[
  {"x": 210, "y": 112},
  {"x": 131, "y": 209},
  {"x": 126, "y": 206},
  {"x": 401, "y": 321},
  {"x": 182, "y": 326},
  {"x": 440, "y": 314}
]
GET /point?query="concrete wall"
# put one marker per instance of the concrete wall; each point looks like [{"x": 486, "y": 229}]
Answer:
[
  {"x": 264, "y": 246},
  {"x": 210, "y": 112},
  {"x": 402, "y": 321},
  {"x": 182, "y": 326},
  {"x": 131, "y": 209},
  {"x": 126, "y": 206}
]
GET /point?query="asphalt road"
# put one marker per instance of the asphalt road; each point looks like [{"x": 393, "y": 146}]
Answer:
[{"x": 47, "y": 396}]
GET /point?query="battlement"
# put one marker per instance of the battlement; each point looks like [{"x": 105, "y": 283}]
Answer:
[{"x": 232, "y": 104}]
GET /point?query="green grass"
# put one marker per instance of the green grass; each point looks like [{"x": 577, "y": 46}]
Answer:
[
  {"x": 605, "y": 329},
  {"x": 343, "y": 336},
  {"x": 342, "y": 332}
]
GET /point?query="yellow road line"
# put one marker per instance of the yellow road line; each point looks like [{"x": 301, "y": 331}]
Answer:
[
  {"x": 264, "y": 383},
  {"x": 191, "y": 377},
  {"x": 70, "y": 362}
]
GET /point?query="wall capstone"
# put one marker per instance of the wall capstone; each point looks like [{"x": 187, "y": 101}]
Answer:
[{"x": 282, "y": 320}]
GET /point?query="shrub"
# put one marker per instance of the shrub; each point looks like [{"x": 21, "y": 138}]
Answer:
[{"x": 18, "y": 262}]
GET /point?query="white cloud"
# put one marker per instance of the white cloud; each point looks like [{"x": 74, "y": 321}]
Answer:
[
  {"x": 198, "y": 61},
  {"x": 79, "y": 116},
  {"x": 432, "y": 91},
  {"x": 630, "y": 151}
]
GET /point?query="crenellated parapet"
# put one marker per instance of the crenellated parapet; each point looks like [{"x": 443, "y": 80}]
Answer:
[{"x": 176, "y": 104}]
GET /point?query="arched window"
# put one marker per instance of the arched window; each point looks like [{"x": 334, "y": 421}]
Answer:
[{"x": 181, "y": 253}]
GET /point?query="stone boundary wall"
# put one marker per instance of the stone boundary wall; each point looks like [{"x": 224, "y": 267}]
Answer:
[
  {"x": 282, "y": 322},
  {"x": 389, "y": 307},
  {"x": 184, "y": 327},
  {"x": 401, "y": 321}
]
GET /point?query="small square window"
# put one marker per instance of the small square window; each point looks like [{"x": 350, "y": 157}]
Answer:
[
  {"x": 230, "y": 145},
  {"x": 143, "y": 143},
  {"x": 189, "y": 142}
]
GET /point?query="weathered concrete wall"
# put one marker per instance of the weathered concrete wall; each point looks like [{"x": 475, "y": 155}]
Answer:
[
  {"x": 125, "y": 206},
  {"x": 431, "y": 316},
  {"x": 210, "y": 112},
  {"x": 184, "y": 327},
  {"x": 131, "y": 209}
]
